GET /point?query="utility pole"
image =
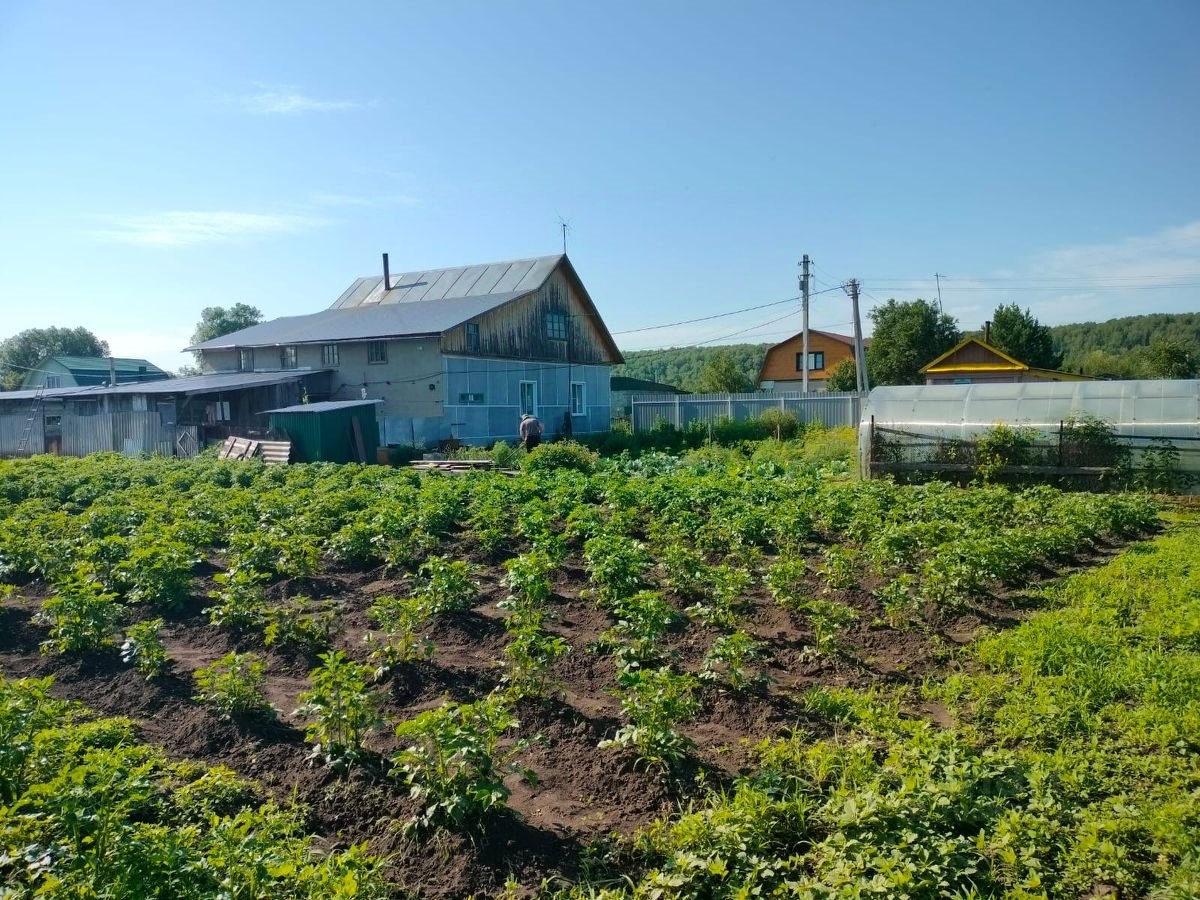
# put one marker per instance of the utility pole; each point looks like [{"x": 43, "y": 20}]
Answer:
[
  {"x": 938, "y": 278},
  {"x": 864, "y": 383},
  {"x": 804, "y": 312}
]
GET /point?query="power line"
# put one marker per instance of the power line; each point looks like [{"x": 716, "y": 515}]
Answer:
[{"x": 716, "y": 315}]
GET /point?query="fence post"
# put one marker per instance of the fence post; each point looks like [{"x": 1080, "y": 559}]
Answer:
[
  {"x": 678, "y": 420},
  {"x": 870, "y": 473},
  {"x": 1060, "y": 444},
  {"x": 729, "y": 407}
]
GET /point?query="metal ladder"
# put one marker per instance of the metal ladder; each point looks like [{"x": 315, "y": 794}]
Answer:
[{"x": 27, "y": 433}]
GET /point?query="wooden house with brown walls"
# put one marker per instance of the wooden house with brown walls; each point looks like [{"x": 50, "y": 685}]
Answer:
[{"x": 783, "y": 367}]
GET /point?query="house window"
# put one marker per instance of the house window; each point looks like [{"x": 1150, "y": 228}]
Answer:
[
  {"x": 287, "y": 358},
  {"x": 53, "y": 381},
  {"x": 377, "y": 352},
  {"x": 469, "y": 399},
  {"x": 556, "y": 326},
  {"x": 816, "y": 361},
  {"x": 578, "y": 398},
  {"x": 245, "y": 360},
  {"x": 529, "y": 397},
  {"x": 329, "y": 356},
  {"x": 472, "y": 337}
]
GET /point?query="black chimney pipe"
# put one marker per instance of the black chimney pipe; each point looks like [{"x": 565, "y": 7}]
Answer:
[
  {"x": 987, "y": 332},
  {"x": 387, "y": 275}
]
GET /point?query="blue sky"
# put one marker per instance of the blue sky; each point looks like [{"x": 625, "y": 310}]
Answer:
[{"x": 161, "y": 157}]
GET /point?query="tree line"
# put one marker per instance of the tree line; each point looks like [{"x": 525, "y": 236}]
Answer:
[{"x": 908, "y": 335}]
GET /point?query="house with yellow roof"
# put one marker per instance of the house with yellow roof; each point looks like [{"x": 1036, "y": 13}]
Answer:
[{"x": 975, "y": 361}]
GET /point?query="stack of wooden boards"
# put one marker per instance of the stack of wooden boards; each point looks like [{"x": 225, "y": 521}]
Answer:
[{"x": 271, "y": 452}]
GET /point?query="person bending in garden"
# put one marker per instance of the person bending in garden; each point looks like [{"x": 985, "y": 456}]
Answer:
[{"x": 531, "y": 431}]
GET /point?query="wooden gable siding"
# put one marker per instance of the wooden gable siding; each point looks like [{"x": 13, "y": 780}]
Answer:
[
  {"x": 973, "y": 354},
  {"x": 780, "y": 364},
  {"x": 517, "y": 330}
]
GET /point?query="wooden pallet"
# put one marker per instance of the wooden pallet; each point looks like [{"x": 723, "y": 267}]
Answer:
[{"x": 237, "y": 448}]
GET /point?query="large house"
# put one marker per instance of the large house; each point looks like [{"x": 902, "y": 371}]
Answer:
[
  {"x": 451, "y": 353},
  {"x": 783, "y": 367},
  {"x": 81, "y": 371},
  {"x": 974, "y": 361}
]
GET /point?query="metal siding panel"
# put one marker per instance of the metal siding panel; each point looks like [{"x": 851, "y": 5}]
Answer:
[
  {"x": 490, "y": 278},
  {"x": 464, "y": 285}
]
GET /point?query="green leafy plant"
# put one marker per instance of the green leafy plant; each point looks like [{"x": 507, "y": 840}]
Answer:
[
  {"x": 730, "y": 661},
  {"x": 400, "y": 621},
  {"x": 829, "y": 620},
  {"x": 241, "y": 600},
  {"x": 453, "y": 762},
  {"x": 448, "y": 586},
  {"x": 642, "y": 621},
  {"x": 233, "y": 686},
  {"x": 655, "y": 701},
  {"x": 561, "y": 455},
  {"x": 299, "y": 624},
  {"x": 837, "y": 568},
  {"x": 158, "y": 571},
  {"x": 724, "y": 603},
  {"x": 616, "y": 564},
  {"x": 143, "y": 648},
  {"x": 530, "y": 653},
  {"x": 343, "y": 709},
  {"x": 1003, "y": 445},
  {"x": 82, "y": 616},
  {"x": 785, "y": 581}
]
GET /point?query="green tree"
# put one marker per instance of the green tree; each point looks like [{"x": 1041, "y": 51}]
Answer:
[
  {"x": 844, "y": 377},
  {"x": 907, "y": 335},
  {"x": 217, "y": 320},
  {"x": 1168, "y": 359},
  {"x": 1020, "y": 335},
  {"x": 722, "y": 374},
  {"x": 23, "y": 351}
]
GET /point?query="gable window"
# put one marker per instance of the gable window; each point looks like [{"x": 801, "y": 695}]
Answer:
[
  {"x": 816, "y": 361},
  {"x": 329, "y": 356},
  {"x": 578, "y": 398},
  {"x": 472, "y": 337},
  {"x": 556, "y": 326},
  {"x": 377, "y": 352},
  {"x": 287, "y": 359},
  {"x": 245, "y": 360},
  {"x": 53, "y": 381}
]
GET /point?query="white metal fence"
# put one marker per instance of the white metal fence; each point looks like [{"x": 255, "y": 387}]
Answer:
[{"x": 831, "y": 409}]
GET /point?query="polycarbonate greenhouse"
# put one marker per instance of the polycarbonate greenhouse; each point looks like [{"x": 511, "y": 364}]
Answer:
[{"x": 1145, "y": 414}]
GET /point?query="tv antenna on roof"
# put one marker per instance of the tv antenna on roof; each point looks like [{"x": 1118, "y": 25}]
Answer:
[{"x": 565, "y": 225}]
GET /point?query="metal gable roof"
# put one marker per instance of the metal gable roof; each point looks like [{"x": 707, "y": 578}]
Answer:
[
  {"x": 362, "y": 322},
  {"x": 511, "y": 276}
]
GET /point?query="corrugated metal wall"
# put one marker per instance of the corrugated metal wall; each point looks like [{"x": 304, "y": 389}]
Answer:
[
  {"x": 831, "y": 409},
  {"x": 12, "y": 426},
  {"x": 130, "y": 433}
]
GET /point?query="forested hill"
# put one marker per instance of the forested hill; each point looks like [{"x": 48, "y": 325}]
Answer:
[
  {"x": 1120, "y": 336},
  {"x": 681, "y": 366}
]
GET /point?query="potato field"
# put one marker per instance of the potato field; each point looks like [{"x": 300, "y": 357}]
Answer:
[{"x": 727, "y": 674}]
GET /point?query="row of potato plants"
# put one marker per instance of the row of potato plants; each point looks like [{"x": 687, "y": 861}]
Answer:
[{"x": 1071, "y": 768}]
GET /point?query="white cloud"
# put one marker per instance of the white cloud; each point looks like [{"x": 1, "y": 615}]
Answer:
[
  {"x": 290, "y": 101},
  {"x": 1164, "y": 255},
  {"x": 179, "y": 228}
]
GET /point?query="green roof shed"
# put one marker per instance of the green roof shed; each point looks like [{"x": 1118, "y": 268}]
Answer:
[{"x": 330, "y": 431}]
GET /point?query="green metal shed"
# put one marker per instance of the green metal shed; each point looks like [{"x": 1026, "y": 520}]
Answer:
[{"x": 327, "y": 431}]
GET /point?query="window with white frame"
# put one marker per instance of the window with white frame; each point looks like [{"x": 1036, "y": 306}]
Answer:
[
  {"x": 470, "y": 399},
  {"x": 472, "y": 329},
  {"x": 53, "y": 381},
  {"x": 377, "y": 352},
  {"x": 245, "y": 360},
  {"x": 288, "y": 358},
  {"x": 556, "y": 326},
  {"x": 329, "y": 356},
  {"x": 578, "y": 398}
]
